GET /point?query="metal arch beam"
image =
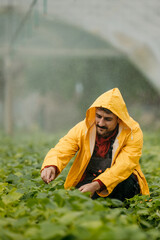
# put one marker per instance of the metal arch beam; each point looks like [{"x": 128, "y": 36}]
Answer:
[
  {"x": 30, "y": 51},
  {"x": 22, "y": 23}
]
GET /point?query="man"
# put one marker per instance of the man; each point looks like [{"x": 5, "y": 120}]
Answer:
[{"x": 108, "y": 144}]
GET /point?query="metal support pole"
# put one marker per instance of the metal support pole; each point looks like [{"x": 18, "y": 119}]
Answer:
[
  {"x": 45, "y": 7},
  {"x": 8, "y": 96}
]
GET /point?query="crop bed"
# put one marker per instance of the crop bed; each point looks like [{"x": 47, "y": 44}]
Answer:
[{"x": 33, "y": 210}]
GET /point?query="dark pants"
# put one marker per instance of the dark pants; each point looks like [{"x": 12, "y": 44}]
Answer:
[{"x": 126, "y": 189}]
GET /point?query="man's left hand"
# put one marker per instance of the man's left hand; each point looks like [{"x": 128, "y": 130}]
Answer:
[{"x": 90, "y": 187}]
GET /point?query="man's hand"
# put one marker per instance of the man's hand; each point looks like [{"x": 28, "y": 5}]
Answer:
[
  {"x": 90, "y": 187},
  {"x": 48, "y": 174}
]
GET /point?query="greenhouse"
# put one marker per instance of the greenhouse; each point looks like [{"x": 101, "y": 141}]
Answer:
[{"x": 56, "y": 58}]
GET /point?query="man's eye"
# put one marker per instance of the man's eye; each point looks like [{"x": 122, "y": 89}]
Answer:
[{"x": 108, "y": 119}]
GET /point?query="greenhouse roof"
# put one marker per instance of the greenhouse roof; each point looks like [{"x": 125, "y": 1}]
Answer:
[{"x": 131, "y": 26}]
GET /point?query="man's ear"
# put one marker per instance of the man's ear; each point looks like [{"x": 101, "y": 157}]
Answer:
[{"x": 118, "y": 120}]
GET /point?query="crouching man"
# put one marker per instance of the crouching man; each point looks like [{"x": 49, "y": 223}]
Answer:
[{"x": 108, "y": 143}]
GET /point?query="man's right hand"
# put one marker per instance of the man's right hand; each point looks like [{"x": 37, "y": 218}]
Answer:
[{"x": 48, "y": 174}]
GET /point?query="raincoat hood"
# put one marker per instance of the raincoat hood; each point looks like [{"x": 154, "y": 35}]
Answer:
[{"x": 113, "y": 101}]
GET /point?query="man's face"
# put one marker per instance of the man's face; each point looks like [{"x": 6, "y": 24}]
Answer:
[{"x": 105, "y": 122}]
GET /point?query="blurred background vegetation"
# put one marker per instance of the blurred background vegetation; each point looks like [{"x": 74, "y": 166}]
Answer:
[{"x": 54, "y": 65}]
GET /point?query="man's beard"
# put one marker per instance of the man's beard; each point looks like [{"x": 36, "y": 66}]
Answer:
[{"x": 107, "y": 133}]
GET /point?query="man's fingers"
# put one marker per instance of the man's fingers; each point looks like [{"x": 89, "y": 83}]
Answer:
[
  {"x": 52, "y": 177},
  {"x": 90, "y": 187},
  {"x": 83, "y": 189},
  {"x": 44, "y": 175},
  {"x": 48, "y": 174}
]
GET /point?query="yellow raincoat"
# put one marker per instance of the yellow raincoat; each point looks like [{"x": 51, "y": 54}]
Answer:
[{"x": 127, "y": 148}]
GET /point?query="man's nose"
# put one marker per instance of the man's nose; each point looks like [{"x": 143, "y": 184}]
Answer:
[{"x": 101, "y": 122}]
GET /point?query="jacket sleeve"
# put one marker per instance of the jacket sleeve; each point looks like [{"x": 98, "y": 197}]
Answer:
[
  {"x": 66, "y": 148},
  {"x": 126, "y": 161}
]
